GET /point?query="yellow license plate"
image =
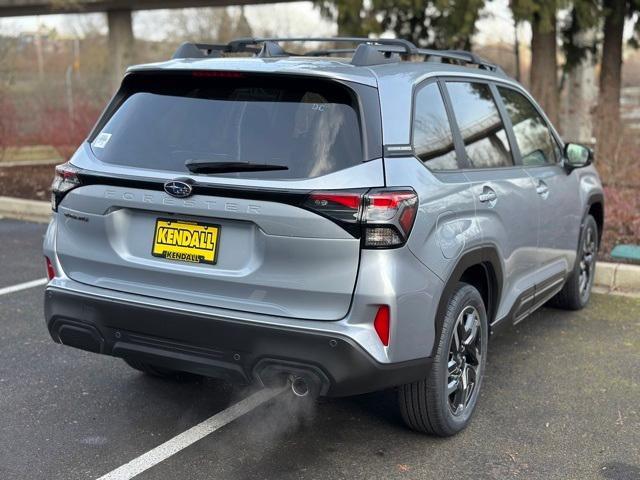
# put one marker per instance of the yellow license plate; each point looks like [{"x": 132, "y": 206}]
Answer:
[{"x": 184, "y": 241}]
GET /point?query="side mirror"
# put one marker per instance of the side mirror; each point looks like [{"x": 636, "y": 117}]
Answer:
[{"x": 577, "y": 156}]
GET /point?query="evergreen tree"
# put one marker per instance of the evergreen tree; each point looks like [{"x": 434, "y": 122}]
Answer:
[
  {"x": 349, "y": 15},
  {"x": 542, "y": 15},
  {"x": 608, "y": 112},
  {"x": 432, "y": 23}
]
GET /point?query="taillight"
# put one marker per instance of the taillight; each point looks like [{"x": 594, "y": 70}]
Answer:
[
  {"x": 382, "y": 324},
  {"x": 51, "y": 272},
  {"x": 388, "y": 217},
  {"x": 341, "y": 206},
  {"x": 383, "y": 217},
  {"x": 65, "y": 180}
]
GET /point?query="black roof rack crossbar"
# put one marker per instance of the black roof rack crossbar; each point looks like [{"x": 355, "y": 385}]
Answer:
[
  {"x": 388, "y": 49},
  {"x": 203, "y": 50},
  {"x": 407, "y": 47},
  {"x": 256, "y": 45},
  {"x": 369, "y": 51}
]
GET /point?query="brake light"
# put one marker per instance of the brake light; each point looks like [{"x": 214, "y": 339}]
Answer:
[
  {"x": 382, "y": 324},
  {"x": 65, "y": 180},
  {"x": 383, "y": 217},
  {"x": 51, "y": 272},
  {"x": 216, "y": 74}
]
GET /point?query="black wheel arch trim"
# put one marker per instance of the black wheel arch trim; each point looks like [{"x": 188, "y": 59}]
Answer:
[
  {"x": 485, "y": 256},
  {"x": 594, "y": 198}
]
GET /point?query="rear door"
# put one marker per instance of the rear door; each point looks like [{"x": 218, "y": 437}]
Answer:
[
  {"x": 506, "y": 200},
  {"x": 243, "y": 240},
  {"x": 446, "y": 220}
]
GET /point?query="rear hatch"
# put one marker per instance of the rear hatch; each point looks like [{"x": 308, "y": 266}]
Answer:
[{"x": 246, "y": 151}]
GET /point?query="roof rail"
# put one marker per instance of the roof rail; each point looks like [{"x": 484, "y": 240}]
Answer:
[
  {"x": 459, "y": 56},
  {"x": 369, "y": 51}
]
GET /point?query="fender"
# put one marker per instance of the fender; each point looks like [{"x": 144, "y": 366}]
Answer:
[{"x": 485, "y": 256}]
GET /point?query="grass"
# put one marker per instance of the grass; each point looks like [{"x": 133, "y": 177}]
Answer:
[{"x": 30, "y": 154}]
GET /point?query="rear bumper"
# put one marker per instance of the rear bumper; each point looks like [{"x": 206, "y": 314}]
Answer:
[{"x": 241, "y": 352}]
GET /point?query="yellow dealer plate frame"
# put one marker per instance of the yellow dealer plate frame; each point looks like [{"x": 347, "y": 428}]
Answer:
[{"x": 186, "y": 241}]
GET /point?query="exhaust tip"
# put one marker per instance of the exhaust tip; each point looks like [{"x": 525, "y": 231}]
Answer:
[{"x": 299, "y": 387}]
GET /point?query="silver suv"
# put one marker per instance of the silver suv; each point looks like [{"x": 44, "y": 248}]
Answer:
[{"x": 347, "y": 220}]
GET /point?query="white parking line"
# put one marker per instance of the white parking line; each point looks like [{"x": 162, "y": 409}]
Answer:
[
  {"x": 189, "y": 437},
  {"x": 23, "y": 286}
]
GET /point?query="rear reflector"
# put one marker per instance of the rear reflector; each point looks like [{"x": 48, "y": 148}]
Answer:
[
  {"x": 51, "y": 272},
  {"x": 382, "y": 324}
]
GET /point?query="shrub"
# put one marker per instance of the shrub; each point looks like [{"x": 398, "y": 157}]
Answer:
[{"x": 622, "y": 218}]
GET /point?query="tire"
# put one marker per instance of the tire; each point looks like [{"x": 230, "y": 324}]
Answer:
[
  {"x": 150, "y": 369},
  {"x": 425, "y": 405},
  {"x": 575, "y": 294}
]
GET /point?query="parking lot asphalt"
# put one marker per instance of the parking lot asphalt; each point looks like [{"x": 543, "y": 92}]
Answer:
[
  {"x": 561, "y": 400},
  {"x": 21, "y": 258}
]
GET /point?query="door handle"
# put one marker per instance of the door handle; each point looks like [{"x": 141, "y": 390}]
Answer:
[
  {"x": 488, "y": 195},
  {"x": 542, "y": 189}
]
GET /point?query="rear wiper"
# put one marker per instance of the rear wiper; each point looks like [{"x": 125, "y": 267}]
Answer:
[{"x": 204, "y": 166}]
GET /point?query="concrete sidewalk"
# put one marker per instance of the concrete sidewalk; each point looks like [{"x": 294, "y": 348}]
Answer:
[{"x": 21, "y": 209}]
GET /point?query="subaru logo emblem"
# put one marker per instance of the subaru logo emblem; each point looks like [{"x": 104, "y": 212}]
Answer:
[{"x": 178, "y": 188}]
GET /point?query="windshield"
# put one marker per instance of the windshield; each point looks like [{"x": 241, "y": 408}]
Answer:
[{"x": 309, "y": 126}]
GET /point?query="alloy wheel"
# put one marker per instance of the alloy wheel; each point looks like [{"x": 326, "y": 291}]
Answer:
[
  {"x": 587, "y": 262},
  {"x": 465, "y": 360}
]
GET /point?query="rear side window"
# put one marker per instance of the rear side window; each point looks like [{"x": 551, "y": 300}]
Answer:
[
  {"x": 309, "y": 126},
  {"x": 432, "y": 138},
  {"x": 533, "y": 136},
  {"x": 480, "y": 125}
]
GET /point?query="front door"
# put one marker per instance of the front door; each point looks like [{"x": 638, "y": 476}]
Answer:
[{"x": 557, "y": 192}]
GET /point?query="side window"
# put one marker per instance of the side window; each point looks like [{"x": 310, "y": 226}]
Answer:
[
  {"x": 536, "y": 144},
  {"x": 481, "y": 127},
  {"x": 432, "y": 137}
]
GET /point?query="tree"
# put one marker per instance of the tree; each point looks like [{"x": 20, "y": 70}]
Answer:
[
  {"x": 608, "y": 111},
  {"x": 207, "y": 25},
  {"x": 432, "y": 23},
  {"x": 8, "y": 49},
  {"x": 585, "y": 16},
  {"x": 544, "y": 54},
  {"x": 242, "y": 26},
  {"x": 579, "y": 44},
  {"x": 349, "y": 15}
]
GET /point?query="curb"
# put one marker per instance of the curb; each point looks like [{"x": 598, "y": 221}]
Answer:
[
  {"x": 31, "y": 163},
  {"x": 617, "y": 277},
  {"x": 610, "y": 277},
  {"x": 21, "y": 209}
]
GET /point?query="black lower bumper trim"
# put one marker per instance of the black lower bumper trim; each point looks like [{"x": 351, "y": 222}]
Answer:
[{"x": 237, "y": 351}]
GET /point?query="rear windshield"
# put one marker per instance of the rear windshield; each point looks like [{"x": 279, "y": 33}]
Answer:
[{"x": 309, "y": 126}]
